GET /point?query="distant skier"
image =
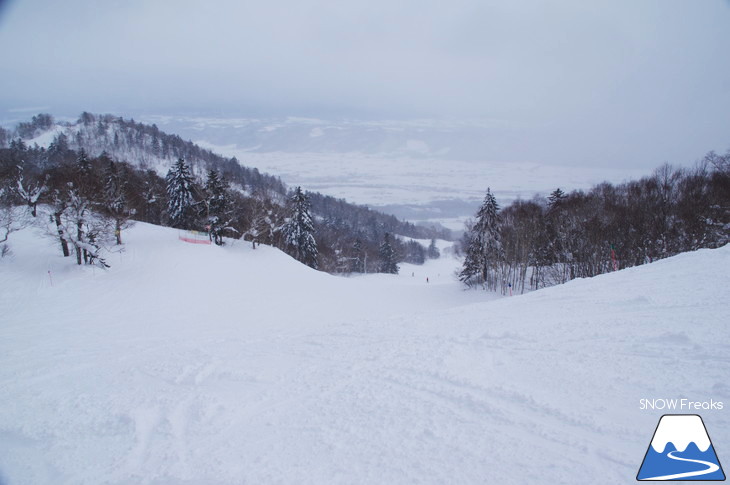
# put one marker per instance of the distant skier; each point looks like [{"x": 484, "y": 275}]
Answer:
[{"x": 426, "y": 279}]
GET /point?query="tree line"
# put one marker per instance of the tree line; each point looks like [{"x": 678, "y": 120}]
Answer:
[
  {"x": 91, "y": 200},
  {"x": 546, "y": 241}
]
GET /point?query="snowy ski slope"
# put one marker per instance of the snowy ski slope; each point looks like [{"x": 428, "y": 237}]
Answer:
[{"x": 196, "y": 364}]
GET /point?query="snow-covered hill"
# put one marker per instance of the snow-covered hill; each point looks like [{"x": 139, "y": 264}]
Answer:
[
  {"x": 143, "y": 146},
  {"x": 198, "y": 364}
]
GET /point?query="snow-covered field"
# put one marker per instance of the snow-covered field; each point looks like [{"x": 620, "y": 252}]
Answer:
[
  {"x": 196, "y": 364},
  {"x": 420, "y": 188}
]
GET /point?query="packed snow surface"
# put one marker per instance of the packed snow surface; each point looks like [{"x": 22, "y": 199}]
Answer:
[{"x": 197, "y": 364}]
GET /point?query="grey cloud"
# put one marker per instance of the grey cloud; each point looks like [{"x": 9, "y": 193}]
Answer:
[{"x": 588, "y": 82}]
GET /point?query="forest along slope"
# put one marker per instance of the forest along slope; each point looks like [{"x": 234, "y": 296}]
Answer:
[{"x": 200, "y": 364}]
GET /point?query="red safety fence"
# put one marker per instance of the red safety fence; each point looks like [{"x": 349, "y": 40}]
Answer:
[{"x": 195, "y": 237}]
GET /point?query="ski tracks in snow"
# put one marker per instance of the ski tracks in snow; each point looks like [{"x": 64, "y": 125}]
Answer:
[
  {"x": 375, "y": 393},
  {"x": 143, "y": 384}
]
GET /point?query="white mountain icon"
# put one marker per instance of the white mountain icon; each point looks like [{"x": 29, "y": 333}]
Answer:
[
  {"x": 680, "y": 429},
  {"x": 681, "y": 450}
]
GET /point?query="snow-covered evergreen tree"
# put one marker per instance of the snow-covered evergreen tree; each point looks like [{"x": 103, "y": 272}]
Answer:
[
  {"x": 555, "y": 198},
  {"x": 484, "y": 251},
  {"x": 471, "y": 272},
  {"x": 298, "y": 230},
  {"x": 180, "y": 198},
  {"x": 113, "y": 193},
  {"x": 433, "y": 251},
  {"x": 58, "y": 147},
  {"x": 216, "y": 201},
  {"x": 83, "y": 163},
  {"x": 358, "y": 257},
  {"x": 412, "y": 252},
  {"x": 388, "y": 262},
  {"x": 554, "y": 248},
  {"x": 115, "y": 201}
]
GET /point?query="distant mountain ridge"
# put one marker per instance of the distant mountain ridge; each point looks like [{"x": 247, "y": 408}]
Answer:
[
  {"x": 149, "y": 148},
  {"x": 462, "y": 139},
  {"x": 141, "y": 145},
  {"x": 44, "y": 149}
]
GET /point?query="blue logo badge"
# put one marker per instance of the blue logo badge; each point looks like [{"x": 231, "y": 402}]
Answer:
[{"x": 681, "y": 450}]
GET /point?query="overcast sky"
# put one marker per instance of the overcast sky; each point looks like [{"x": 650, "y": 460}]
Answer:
[{"x": 574, "y": 81}]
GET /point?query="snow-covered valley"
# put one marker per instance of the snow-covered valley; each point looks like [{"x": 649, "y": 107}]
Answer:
[
  {"x": 385, "y": 165},
  {"x": 378, "y": 243},
  {"x": 199, "y": 364},
  {"x": 421, "y": 170}
]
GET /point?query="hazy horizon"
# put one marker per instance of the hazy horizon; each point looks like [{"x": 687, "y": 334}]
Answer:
[{"x": 626, "y": 84}]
